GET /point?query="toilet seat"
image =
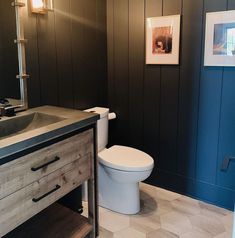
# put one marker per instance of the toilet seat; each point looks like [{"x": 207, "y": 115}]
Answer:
[{"x": 126, "y": 159}]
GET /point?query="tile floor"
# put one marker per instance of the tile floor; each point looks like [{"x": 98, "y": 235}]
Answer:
[{"x": 165, "y": 214}]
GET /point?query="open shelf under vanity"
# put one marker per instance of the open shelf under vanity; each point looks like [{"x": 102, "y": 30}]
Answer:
[{"x": 55, "y": 221}]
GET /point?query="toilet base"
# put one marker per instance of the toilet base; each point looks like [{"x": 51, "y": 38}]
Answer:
[{"x": 119, "y": 197}]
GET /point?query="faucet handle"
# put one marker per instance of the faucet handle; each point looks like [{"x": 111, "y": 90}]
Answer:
[
  {"x": 8, "y": 111},
  {"x": 4, "y": 101}
]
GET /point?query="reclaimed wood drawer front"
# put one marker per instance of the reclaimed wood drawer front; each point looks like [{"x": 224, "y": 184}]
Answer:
[
  {"x": 27, "y": 169},
  {"x": 27, "y": 202}
]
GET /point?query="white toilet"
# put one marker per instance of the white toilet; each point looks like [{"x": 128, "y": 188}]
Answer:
[{"x": 121, "y": 169}]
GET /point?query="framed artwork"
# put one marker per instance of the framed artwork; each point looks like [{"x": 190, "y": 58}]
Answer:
[
  {"x": 163, "y": 40},
  {"x": 220, "y": 39}
]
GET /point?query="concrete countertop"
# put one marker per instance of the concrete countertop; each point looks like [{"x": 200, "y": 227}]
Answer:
[{"x": 74, "y": 120}]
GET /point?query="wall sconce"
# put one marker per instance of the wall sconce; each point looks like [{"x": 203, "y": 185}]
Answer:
[{"x": 41, "y": 6}]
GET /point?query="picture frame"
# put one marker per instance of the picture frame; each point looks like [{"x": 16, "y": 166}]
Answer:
[
  {"x": 163, "y": 40},
  {"x": 220, "y": 39}
]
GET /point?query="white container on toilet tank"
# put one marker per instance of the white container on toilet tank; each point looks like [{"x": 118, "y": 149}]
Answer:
[{"x": 121, "y": 169}]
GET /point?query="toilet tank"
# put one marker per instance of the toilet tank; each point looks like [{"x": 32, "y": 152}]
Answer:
[{"x": 102, "y": 126}]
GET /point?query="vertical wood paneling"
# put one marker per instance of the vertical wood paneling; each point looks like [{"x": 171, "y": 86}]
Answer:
[
  {"x": 169, "y": 104},
  {"x": 84, "y": 35},
  {"x": 87, "y": 91},
  {"x": 63, "y": 51},
  {"x": 172, "y": 9},
  {"x": 32, "y": 59},
  {"x": 136, "y": 71},
  {"x": 47, "y": 59},
  {"x": 66, "y": 54},
  {"x": 227, "y": 131},
  {"x": 189, "y": 86},
  {"x": 152, "y": 85},
  {"x": 110, "y": 48},
  {"x": 101, "y": 59},
  {"x": 231, "y": 5},
  {"x": 227, "y": 125},
  {"x": 111, "y": 67},
  {"x": 121, "y": 48},
  {"x": 77, "y": 10},
  {"x": 209, "y": 108},
  {"x": 181, "y": 104}
]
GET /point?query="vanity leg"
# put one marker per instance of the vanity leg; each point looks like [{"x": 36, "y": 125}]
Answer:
[
  {"x": 92, "y": 207},
  {"x": 93, "y": 213}
]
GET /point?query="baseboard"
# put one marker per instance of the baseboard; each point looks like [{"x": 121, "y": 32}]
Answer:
[{"x": 209, "y": 193}]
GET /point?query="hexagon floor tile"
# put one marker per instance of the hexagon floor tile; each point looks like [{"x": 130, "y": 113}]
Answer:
[
  {"x": 176, "y": 223},
  {"x": 165, "y": 214}
]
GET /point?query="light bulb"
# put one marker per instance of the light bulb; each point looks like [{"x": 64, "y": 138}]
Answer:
[
  {"x": 37, "y": 4},
  {"x": 41, "y": 6}
]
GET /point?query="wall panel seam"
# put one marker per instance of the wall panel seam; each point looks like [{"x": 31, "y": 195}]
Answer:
[
  {"x": 39, "y": 70},
  {"x": 56, "y": 58},
  {"x": 199, "y": 87}
]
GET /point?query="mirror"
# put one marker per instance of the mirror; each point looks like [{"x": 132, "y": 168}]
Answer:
[
  {"x": 9, "y": 84},
  {"x": 13, "y": 85}
]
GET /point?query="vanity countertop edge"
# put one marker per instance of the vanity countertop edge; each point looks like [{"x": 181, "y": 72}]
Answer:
[{"x": 74, "y": 121}]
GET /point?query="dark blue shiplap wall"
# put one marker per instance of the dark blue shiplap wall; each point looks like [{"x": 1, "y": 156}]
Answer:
[{"x": 184, "y": 115}]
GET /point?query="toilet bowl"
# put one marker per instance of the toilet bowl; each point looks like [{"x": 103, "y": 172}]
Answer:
[
  {"x": 120, "y": 171},
  {"x": 121, "y": 168}
]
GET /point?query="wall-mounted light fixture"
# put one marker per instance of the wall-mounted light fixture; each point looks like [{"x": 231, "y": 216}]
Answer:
[{"x": 41, "y": 6}]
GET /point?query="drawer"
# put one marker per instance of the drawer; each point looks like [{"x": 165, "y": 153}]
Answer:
[
  {"x": 27, "y": 202},
  {"x": 27, "y": 169}
]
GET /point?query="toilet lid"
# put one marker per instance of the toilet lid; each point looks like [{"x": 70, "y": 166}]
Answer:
[{"x": 126, "y": 159}]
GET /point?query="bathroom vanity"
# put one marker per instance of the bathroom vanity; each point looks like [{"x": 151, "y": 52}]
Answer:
[{"x": 45, "y": 153}]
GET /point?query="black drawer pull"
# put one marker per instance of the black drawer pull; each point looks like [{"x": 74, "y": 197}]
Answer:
[
  {"x": 226, "y": 162},
  {"x": 57, "y": 187},
  {"x": 34, "y": 169}
]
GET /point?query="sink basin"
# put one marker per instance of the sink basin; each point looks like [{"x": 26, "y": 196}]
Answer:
[{"x": 21, "y": 124}]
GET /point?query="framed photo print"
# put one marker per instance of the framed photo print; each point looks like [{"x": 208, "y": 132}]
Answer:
[
  {"x": 220, "y": 39},
  {"x": 163, "y": 40}
]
